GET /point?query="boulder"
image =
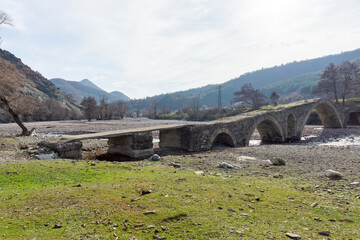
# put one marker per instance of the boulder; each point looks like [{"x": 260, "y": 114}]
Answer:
[
  {"x": 334, "y": 175},
  {"x": 71, "y": 150}
]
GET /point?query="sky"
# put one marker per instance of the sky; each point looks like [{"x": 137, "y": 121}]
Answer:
[{"x": 148, "y": 47}]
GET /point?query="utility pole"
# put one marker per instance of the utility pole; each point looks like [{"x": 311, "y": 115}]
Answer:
[{"x": 219, "y": 98}]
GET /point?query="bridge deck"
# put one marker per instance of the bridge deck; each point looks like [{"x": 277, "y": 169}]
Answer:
[{"x": 124, "y": 132}]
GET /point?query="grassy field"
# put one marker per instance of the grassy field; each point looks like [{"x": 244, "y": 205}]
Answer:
[{"x": 67, "y": 199}]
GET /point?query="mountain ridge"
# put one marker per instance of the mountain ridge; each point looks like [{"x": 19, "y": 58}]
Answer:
[
  {"x": 86, "y": 88},
  {"x": 260, "y": 79}
]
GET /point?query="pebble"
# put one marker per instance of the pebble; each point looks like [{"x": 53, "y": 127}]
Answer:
[
  {"x": 159, "y": 238},
  {"x": 175, "y": 165},
  {"x": 144, "y": 192},
  {"x": 277, "y": 161},
  {"x": 325, "y": 233},
  {"x": 150, "y": 212},
  {"x": 314, "y": 204},
  {"x": 57, "y": 225},
  {"x": 225, "y": 165},
  {"x": 333, "y": 175},
  {"x": 155, "y": 157},
  {"x": 293, "y": 236}
]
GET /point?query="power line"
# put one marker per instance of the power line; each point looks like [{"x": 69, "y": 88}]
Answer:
[{"x": 219, "y": 98}]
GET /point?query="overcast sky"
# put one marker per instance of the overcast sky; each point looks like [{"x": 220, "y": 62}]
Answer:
[{"x": 148, "y": 47}]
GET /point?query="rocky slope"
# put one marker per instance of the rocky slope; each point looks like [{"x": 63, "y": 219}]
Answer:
[{"x": 30, "y": 87}]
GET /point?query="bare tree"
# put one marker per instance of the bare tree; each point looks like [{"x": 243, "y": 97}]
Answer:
[
  {"x": 329, "y": 82},
  {"x": 89, "y": 108},
  {"x": 4, "y": 89},
  {"x": 349, "y": 78},
  {"x": 5, "y": 19},
  {"x": 164, "y": 110},
  {"x": 120, "y": 109},
  {"x": 274, "y": 98},
  {"x": 248, "y": 95},
  {"x": 152, "y": 112},
  {"x": 339, "y": 81}
]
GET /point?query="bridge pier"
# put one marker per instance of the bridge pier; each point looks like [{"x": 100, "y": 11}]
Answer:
[{"x": 136, "y": 145}]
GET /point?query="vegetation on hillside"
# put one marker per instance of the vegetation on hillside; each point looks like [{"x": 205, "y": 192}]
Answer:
[{"x": 293, "y": 81}]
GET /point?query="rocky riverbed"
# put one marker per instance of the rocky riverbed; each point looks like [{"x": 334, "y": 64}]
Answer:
[{"x": 320, "y": 149}]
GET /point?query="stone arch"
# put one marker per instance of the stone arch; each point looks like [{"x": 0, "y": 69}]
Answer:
[
  {"x": 222, "y": 136},
  {"x": 353, "y": 119},
  {"x": 269, "y": 129},
  {"x": 328, "y": 114},
  {"x": 291, "y": 127}
]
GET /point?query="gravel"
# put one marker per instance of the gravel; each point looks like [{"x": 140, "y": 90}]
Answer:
[{"x": 320, "y": 150}]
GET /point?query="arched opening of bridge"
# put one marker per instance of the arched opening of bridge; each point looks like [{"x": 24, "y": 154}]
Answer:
[
  {"x": 269, "y": 132},
  {"x": 291, "y": 127},
  {"x": 327, "y": 114},
  {"x": 223, "y": 140},
  {"x": 354, "y": 119}
]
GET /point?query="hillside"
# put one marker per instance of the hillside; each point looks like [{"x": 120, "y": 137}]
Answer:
[
  {"x": 31, "y": 93},
  {"x": 293, "y": 81},
  {"x": 86, "y": 88}
]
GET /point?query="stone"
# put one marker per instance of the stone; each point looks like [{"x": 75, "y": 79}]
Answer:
[
  {"x": 314, "y": 204},
  {"x": 57, "y": 225},
  {"x": 293, "y": 236},
  {"x": 175, "y": 165},
  {"x": 150, "y": 212},
  {"x": 46, "y": 156},
  {"x": 225, "y": 165},
  {"x": 231, "y": 210},
  {"x": 277, "y": 161},
  {"x": 354, "y": 183},
  {"x": 334, "y": 175},
  {"x": 325, "y": 233},
  {"x": 199, "y": 172},
  {"x": 144, "y": 192},
  {"x": 159, "y": 238},
  {"x": 155, "y": 157},
  {"x": 71, "y": 150}
]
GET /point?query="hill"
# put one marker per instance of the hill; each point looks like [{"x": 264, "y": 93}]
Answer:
[
  {"x": 86, "y": 88},
  {"x": 294, "y": 81},
  {"x": 35, "y": 97}
]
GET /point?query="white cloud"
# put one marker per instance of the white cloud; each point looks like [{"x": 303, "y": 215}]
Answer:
[{"x": 145, "y": 47}]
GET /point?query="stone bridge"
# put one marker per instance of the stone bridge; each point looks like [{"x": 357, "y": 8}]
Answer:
[{"x": 276, "y": 124}]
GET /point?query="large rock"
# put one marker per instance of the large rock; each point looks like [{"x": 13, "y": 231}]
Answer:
[
  {"x": 71, "y": 150},
  {"x": 334, "y": 175}
]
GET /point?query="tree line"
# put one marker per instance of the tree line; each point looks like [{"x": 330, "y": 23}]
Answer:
[
  {"x": 339, "y": 82},
  {"x": 104, "y": 110}
]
